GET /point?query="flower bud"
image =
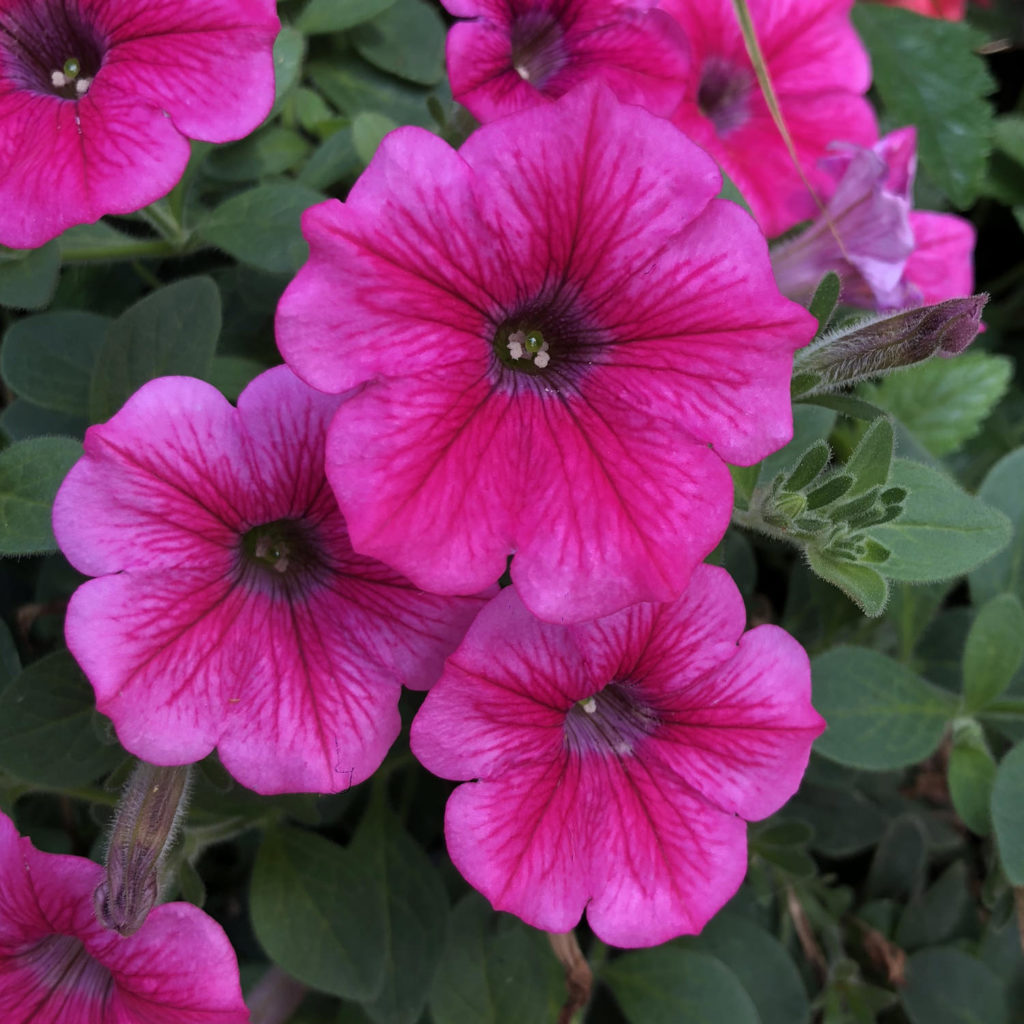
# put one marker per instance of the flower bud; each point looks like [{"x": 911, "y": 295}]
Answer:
[
  {"x": 879, "y": 345},
  {"x": 145, "y": 824}
]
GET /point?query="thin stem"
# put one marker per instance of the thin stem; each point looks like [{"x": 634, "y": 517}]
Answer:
[
  {"x": 164, "y": 223},
  {"x": 579, "y": 978},
  {"x": 130, "y": 249}
]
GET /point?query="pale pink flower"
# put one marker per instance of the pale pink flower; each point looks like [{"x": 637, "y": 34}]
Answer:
[
  {"x": 560, "y": 334},
  {"x": 616, "y": 762},
  {"x": 820, "y": 72},
  {"x": 231, "y": 611},
  {"x": 887, "y": 255},
  {"x": 59, "y": 965},
  {"x": 98, "y": 99},
  {"x": 518, "y": 53}
]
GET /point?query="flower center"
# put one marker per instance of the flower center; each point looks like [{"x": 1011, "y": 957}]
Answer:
[
  {"x": 612, "y": 721},
  {"x": 521, "y": 345},
  {"x": 538, "y": 49},
  {"x": 47, "y": 47},
  {"x": 723, "y": 95},
  {"x": 280, "y": 555}
]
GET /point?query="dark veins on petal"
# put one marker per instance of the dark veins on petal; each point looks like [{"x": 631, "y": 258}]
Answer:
[
  {"x": 611, "y": 722},
  {"x": 284, "y": 558},
  {"x": 49, "y": 47}
]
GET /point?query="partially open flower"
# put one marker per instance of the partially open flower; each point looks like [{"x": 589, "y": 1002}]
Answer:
[
  {"x": 231, "y": 610},
  {"x": 98, "y": 99},
  {"x": 617, "y": 761},
  {"x": 59, "y": 965}
]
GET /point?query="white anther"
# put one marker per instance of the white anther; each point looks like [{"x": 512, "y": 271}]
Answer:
[
  {"x": 542, "y": 358},
  {"x": 523, "y": 71},
  {"x": 82, "y": 86},
  {"x": 58, "y": 79},
  {"x": 589, "y": 705},
  {"x": 517, "y": 345}
]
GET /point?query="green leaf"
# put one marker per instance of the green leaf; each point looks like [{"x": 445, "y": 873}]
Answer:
[
  {"x": 825, "y": 300},
  {"x": 937, "y": 914},
  {"x": 173, "y": 330},
  {"x": 759, "y": 961},
  {"x": 946, "y": 986},
  {"x": 49, "y": 359},
  {"x": 28, "y": 278},
  {"x": 10, "y": 663},
  {"x": 1008, "y": 814},
  {"x": 272, "y": 150},
  {"x": 230, "y": 375},
  {"x": 862, "y": 584},
  {"x": 30, "y": 473},
  {"x": 1002, "y": 489},
  {"x": 262, "y": 226},
  {"x": 494, "y": 970},
  {"x": 899, "y": 866},
  {"x": 1008, "y": 136},
  {"x": 289, "y": 50},
  {"x": 323, "y": 16},
  {"x": 416, "y": 918},
  {"x": 368, "y": 129},
  {"x": 942, "y": 531},
  {"x": 971, "y": 774},
  {"x": 48, "y": 733},
  {"x": 334, "y": 160},
  {"x": 320, "y": 913},
  {"x": 880, "y": 715},
  {"x": 810, "y": 424},
  {"x": 22, "y": 420},
  {"x": 871, "y": 460},
  {"x": 668, "y": 984},
  {"x": 927, "y": 74},
  {"x": 406, "y": 40},
  {"x": 945, "y": 401},
  {"x": 995, "y": 648},
  {"x": 730, "y": 191}
]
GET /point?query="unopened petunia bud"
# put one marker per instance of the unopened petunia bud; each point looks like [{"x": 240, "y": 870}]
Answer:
[
  {"x": 874, "y": 347},
  {"x": 145, "y": 825}
]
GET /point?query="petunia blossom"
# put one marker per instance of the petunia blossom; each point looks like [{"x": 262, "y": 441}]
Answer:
[
  {"x": 616, "y": 762},
  {"x": 230, "y": 610},
  {"x": 98, "y": 99},
  {"x": 560, "y": 335},
  {"x": 819, "y": 70},
  {"x": 887, "y": 255},
  {"x": 518, "y": 53},
  {"x": 59, "y": 965}
]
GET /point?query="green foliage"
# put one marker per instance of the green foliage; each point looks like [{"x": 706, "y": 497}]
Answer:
[
  {"x": 28, "y": 277},
  {"x": 406, "y": 39},
  {"x": 368, "y": 129},
  {"x": 50, "y": 733},
  {"x": 171, "y": 331},
  {"x": 995, "y": 648},
  {"x": 972, "y": 771},
  {"x": 30, "y": 473},
  {"x": 944, "y": 402},
  {"x": 322, "y": 16},
  {"x": 946, "y": 986},
  {"x": 928, "y": 75},
  {"x": 880, "y": 715},
  {"x": 1002, "y": 490},
  {"x": 671, "y": 984},
  {"x": 1008, "y": 814}
]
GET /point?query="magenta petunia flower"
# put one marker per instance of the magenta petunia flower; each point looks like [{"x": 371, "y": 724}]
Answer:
[
  {"x": 887, "y": 255},
  {"x": 518, "y": 53},
  {"x": 231, "y": 610},
  {"x": 98, "y": 99},
  {"x": 560, "y": 334},
  {"x": 820, "y": 72},
  {"x": 615, "y": 761},
  {"x": 59, "y": 965}
]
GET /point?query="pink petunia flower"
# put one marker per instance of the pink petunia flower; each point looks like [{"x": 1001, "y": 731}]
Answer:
[
  {"x": 519, "y": 53},
  {"x": 820, "y": 72},
  {"x": 951, "y": 10},
  {"x": 887, "y": 255},
  {"x": 59, "y": 965},
  {"x": 98, "y": 99},
  {"x": 560, "y": 334},
  {"x": 615, "y": 761},
  {"x": 231, "y": 610}
]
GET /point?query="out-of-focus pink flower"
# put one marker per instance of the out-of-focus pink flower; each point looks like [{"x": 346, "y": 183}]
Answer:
[
  {"x": 231, "y": 610},
  {"x": 553, "y": 328},
  {"x": 820, "y": 72},
  {"x": 59, "y": 965},
  {"x": 951, "y": 10},
  {"x": 518, "y": 53},
  {"x": 615, "y": 761},
  {"x": 886, "y": 255},
  {"x": 98, "y": 99}
]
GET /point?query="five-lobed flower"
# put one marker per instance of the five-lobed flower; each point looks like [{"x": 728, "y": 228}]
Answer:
[
  {"x": 559, "y": 334},
  {"x": 230, "y": 609}
]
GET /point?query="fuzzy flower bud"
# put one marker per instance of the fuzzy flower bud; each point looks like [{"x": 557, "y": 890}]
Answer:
[
  {"x": 877, "y": 346},
  {"x": 145, "y": 826}
]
